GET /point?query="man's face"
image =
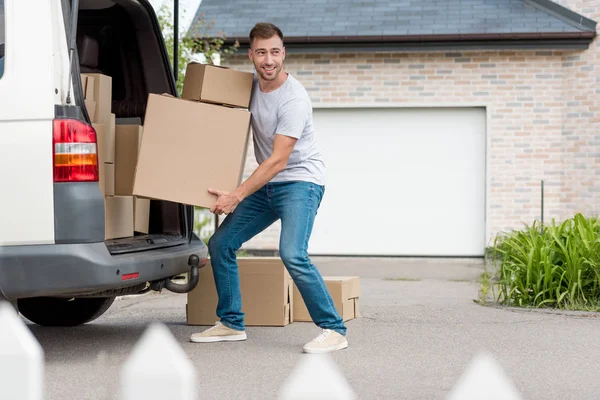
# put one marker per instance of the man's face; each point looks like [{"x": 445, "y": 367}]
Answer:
[{"x": 267, "y": 55}]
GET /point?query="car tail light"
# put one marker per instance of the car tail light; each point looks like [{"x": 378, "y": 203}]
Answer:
[{"x": 75, "y": 151}]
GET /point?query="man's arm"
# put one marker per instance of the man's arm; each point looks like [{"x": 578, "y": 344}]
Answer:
[{"x": 282, "y": 148}]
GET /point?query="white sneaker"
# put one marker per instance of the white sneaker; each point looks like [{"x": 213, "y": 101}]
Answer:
[
  {"x": 218, "y": 333},
  {"x": 326, "y": 342}
]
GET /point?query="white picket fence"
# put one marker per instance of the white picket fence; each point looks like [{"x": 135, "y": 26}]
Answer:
[{"x": 174, "y": 378}]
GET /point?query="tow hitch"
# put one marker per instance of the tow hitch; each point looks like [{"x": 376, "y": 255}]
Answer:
[{"x": 167, "y": 283}]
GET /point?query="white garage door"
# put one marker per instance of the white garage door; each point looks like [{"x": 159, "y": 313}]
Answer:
[{"x": 408, "y": 181}]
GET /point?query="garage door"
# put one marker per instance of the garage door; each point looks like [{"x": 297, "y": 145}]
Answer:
[{"x": 406, "y": 182}]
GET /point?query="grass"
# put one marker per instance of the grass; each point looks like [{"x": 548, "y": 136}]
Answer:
[
  {"x": 485, "y": 282},
  {"x": 557, "y": 266}
]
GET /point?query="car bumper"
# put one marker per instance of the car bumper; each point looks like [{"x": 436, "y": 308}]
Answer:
[{"x": 71, "y": 269}]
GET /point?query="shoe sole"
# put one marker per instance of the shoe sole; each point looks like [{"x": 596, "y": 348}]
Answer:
[
  {"x": 340, "y": 346},
  {"x": 213, "y": 339}
]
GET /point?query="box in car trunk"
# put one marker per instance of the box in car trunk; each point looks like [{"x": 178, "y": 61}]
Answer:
[
  {"x": 119, "y": 216},
  {"x": 127, "y": 139},
  {"x": 117, "y": 156},
  {"x": 188, "y": 147}
]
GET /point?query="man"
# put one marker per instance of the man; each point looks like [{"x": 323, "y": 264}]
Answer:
[{"x": 288, "y": 185}]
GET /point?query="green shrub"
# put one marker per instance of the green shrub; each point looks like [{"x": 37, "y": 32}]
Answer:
[{"x": 550, "y": 266}]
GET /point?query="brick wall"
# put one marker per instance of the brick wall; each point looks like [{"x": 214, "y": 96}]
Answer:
[
  {"x": 581, "y": 118},
  {"x": 542, "y": 110}
]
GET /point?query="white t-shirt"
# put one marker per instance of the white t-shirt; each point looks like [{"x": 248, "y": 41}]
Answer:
[{"x": 287, "y": 111}]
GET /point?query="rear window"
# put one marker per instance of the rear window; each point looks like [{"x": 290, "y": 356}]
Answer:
[{"x": 1, "y": 38}]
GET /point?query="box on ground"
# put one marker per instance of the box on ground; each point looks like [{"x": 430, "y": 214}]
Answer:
[
  {"x": 141, "y": 214},
  {"x": 127, "y": 143},
  {"x": 118, "y": 216},
  {"x": 266, "y": 288},
  {"x": 345, "y": 292},
  {"x": 219, "y": 85},
  {"x": 182, "y": 141}
]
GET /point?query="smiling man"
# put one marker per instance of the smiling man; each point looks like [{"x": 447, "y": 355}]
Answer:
[{"x": 288, "y": 185}]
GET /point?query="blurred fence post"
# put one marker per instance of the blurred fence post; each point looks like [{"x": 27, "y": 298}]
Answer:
[
  {"x": 316, "y": 377},
  {"x": 158, "y": 368},
  {"x": 484, "y": 379},
  {"x": 21, "y": 358}
]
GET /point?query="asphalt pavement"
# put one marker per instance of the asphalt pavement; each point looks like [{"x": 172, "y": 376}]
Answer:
[{"x": 418, "y": 330}]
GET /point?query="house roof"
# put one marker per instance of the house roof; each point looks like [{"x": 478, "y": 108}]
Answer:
[{"x": 377, "y": 23}]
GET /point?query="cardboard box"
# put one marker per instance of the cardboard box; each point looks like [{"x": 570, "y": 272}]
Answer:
[
  {"x": 99, "y": 128},
  {"x": 90, "y": 106},
  {"x": 87, "y": 84},
  {"x": 345, "y": 292},
  {"x": 183, "y": 140},
  {"x": 106, "y": 140},
  {"x": 219, "y": 85},
  {"x": 110, "y": 140},
  {"x": 119, "y": 216},
  {"x": 109, "y": 179},
  {"x": 266, "y": 290},
  {"x": 127, "y": 139},
  {"x": 106, "y": 179},
  {"x": 102, "y": 93},
  {"x": 141, "y": 214},
  {"x": 106, "y": 168}
]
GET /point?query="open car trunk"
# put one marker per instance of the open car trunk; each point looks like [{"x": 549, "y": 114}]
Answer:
[{"x": 130, "y": 49}]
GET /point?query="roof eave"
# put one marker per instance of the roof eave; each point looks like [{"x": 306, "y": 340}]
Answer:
[
  {"x": 454, "y": 37},
  {"x": 479, "y": 41}
]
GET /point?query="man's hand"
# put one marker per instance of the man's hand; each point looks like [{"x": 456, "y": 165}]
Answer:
[{"x": 226, "y": 202}]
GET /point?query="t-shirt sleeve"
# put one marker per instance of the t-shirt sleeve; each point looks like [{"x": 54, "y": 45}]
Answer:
[{"x": 292, "y": 118}]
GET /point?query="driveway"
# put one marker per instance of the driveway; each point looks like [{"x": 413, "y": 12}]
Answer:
[{"x": 418, "y": 331}]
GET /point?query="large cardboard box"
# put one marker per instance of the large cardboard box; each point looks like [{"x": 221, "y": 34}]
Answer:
[
  {"x": 119, "y": 216},
  {"x": 345, "y": 292},
  {"x": 127, "y": 139},
  {"x": 141, "y": 213},
  {"x": 188, "y": 147},
  {"x": 219, "y": 85},
  {"x": 266, "y": 288}
]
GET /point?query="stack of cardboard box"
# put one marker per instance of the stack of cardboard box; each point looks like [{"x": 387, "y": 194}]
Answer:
[
  {"x": 198, "y": 141},
  {"x": 117, "y": 154},
  {"x": 269, "y": 296}
]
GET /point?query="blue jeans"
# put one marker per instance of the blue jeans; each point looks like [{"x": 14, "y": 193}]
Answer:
[{"x": 296, "y": 203}]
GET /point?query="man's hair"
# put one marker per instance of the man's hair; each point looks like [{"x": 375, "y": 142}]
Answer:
[{"x": 265, "y": 30}]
